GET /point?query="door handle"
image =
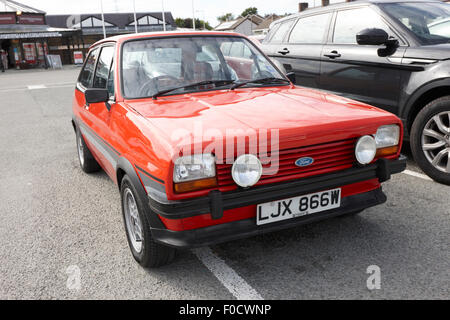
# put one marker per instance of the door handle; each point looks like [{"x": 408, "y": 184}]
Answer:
[
  {"x": 284, "y": 51},
  {"x": 333, "y": 54}
]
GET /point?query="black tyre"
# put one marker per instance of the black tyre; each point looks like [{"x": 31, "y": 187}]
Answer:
[
  {"x": 87, "y": 160},
  {"x": 430, "y": 139},
  {"x": 147, "y": 252}
]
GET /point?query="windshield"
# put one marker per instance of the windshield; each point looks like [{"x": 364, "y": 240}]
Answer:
[
  {"x": 430, "y": 22},
  {"x": 153, "y": 65}
]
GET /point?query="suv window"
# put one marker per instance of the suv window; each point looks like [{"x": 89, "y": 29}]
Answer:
[
  {"x": 279, "y": 34},
  {"x": 350, "y": 22},
  {"x": 103, "y": 67},
  {"x": 310, "y": 29},
  {"x": 87, "y": 72}
]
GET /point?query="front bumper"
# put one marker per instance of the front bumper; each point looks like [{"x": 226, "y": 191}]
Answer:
[{"x": 217, "y": 202}]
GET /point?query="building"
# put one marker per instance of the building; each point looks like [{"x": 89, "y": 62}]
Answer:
[
  {"x": 25, "y": 34},
  {"x": 243, "y": 25},
  {"x": 28, "y": 34},
  {"x": 263, "y": 27},
  {"x": 90, "y": 27}
]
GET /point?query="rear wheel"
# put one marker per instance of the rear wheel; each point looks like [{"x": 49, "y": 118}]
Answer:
[
  {"x": 147, "y": 252},
  {"x": 87, "y": 162},
  {"x": 430, "y": 139}
]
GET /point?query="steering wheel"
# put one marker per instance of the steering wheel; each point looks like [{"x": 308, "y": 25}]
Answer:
[{"x": 152, "y": 84}]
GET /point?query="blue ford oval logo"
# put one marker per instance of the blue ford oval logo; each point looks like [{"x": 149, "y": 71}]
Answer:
[{"x": 303, "y": 162}]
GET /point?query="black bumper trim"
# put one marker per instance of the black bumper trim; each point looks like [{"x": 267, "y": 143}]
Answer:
[
  {"x": 248, "y": 228},
  {"x": 217, "y": 202}
]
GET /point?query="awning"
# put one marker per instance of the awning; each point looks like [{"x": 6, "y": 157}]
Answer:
[{"x": 27, "y": 35}]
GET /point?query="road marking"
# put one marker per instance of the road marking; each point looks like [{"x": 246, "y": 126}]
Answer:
[
  {"x": 36, "y": 86},
  {"x": 417, "y": 174},
  {"x": 235, "y": 284}
]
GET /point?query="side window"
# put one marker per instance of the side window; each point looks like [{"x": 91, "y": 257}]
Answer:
[
  {"x": 247, "y": 53},
  {"x": 279, "y": 34},
  {"x": 350, "y": 22},
  {"x": 87, "y": 72},
  {"x": 225, "y": 48},
  {"x": 237, "y": 50},
  {"x": 103, "y": 67},
  {"x": 310, "y": 29}
]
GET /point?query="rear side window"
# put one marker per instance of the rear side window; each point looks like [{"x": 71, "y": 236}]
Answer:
[
  {"x": 237, "y": 50},
  {"x": 103, "y": 67},
  {"x": 350, "y": 22},
  {"x": 87, "y": 73},
  {"x": 310, "y": 29},
  {"x": 280, "y": 33}
]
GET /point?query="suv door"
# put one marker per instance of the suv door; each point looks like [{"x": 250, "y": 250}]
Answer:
[
  {"x": 301, "y": 48},
  {"x": 360, "y": 72}
]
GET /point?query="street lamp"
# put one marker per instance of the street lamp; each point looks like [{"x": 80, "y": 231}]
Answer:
[{"x": 193, "y": 15}]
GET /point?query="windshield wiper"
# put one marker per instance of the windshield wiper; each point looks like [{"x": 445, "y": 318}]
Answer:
[
  {"x": 262, "y": 80},
  {"x": 201, "y": 83}
]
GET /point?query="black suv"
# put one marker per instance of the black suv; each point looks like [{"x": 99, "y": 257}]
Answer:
[{"x": 391, "y": 54}]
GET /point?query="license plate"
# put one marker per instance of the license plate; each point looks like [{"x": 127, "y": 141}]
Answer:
[{"x": 298, "y": 206}]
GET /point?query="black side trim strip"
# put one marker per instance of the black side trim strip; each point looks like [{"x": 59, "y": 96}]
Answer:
[
  {"x": 150, "y": 175},
  {"x": 95, "y": 134}
]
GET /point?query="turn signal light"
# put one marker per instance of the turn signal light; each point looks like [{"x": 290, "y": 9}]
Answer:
[
  {"x": 382, "y": 152},
  {"x": 195, "y": 185}
]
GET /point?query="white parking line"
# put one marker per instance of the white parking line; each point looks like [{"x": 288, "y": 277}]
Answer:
[
  {"x": 36, "y": 86},
  {"x": 237, "y": 286},
  {"x": 417, "y": 174}
]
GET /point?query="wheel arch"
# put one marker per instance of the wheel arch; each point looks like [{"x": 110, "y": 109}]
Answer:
[
  {"x": 124, "y": 167},
  {"x": 422, "y": 97}
]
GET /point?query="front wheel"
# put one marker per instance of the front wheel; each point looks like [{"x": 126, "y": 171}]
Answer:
[
  {"x": 430, "y": 139},
  {"x": 147, "y": 252}
]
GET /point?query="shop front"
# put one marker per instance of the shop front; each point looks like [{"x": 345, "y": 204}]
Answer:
[{"x": 25, "y": 36}]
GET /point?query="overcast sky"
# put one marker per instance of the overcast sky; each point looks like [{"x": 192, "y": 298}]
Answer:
[{"x": 209, "y": 9}]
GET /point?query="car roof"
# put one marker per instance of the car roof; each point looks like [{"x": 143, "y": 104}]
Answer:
[
  {"x": 346, "y": 5},
  {"x": 132, "y": 36}
]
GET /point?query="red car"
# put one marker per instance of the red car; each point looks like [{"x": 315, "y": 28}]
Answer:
[{"x": 205, "y": 152}]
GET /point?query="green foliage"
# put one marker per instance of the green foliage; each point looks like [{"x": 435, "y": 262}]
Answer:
[
  {"x": 249, "y": 11},
  {"x": 187, "y": 23},
  {"x": 226, "y": 17}
]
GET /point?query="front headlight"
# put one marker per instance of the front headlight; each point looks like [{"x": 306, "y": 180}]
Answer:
[
  {"x": 365, "y": 149},
  {"x": 246, "y": 170},
  {"x": 387, "y": 136},
  {"x": 195, "y": 167}
]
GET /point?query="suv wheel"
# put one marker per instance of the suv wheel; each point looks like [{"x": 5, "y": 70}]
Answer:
[
  {"x": 430, "y": 139},
  {"x": 87, "y": 162},
  {"x": 147, "y": 252}
]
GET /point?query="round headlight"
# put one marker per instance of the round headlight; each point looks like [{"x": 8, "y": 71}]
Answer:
[
  {"x": 365, "y": 149},
  {"x": 246, "y": 170}
]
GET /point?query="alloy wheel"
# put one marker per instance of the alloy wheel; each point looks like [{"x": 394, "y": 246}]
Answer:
[
  {"x": 436, "y": 141},
  {"x": 132, "y": 220}
]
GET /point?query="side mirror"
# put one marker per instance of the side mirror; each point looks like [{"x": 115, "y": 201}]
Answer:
[
  {"x": 291, "y": 77},
  {"x": 374, "y": 37},
  {"x": 94, "y": 95}
]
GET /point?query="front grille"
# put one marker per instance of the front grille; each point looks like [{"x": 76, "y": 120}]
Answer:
[{"x": 328, "y": 157}]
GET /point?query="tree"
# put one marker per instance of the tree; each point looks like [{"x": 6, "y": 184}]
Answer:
[
  {"x": 187, "y": 23},
  {"x": 249, "y": 11},
  {"x": 226, "y": 17}
]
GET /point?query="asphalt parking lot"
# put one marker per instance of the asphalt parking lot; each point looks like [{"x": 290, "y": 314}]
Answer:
[{"x": 55, "y": 219}]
